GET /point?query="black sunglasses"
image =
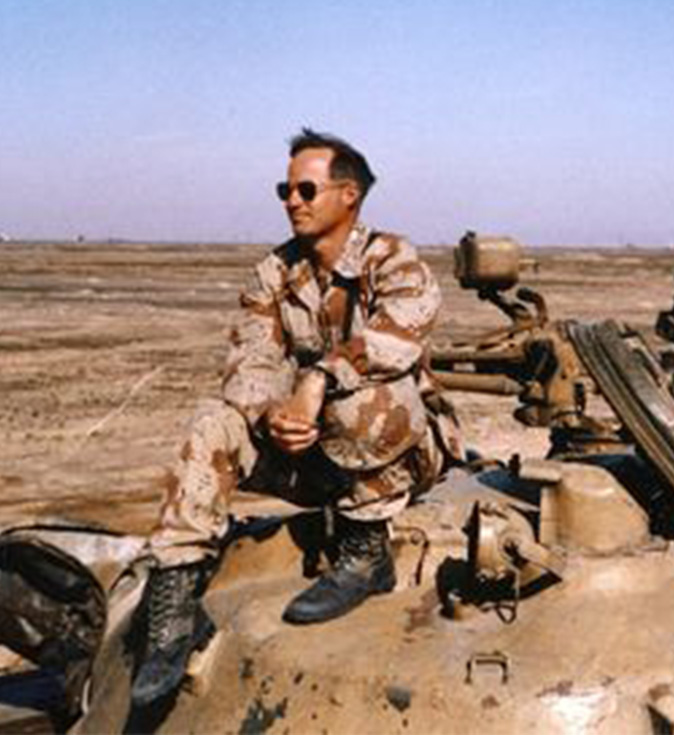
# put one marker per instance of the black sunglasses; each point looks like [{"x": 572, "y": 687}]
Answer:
[{"x": 308, "y": 190}]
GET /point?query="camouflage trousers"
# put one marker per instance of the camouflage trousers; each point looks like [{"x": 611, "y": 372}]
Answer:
[{"x": 219, "y": 456}]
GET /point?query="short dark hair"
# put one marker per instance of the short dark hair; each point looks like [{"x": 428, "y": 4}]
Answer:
[{"x": 347, "y": 163}]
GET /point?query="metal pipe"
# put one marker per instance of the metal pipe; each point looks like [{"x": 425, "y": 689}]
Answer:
[
  {"x": 476, "y": 383},
  {"x": 443, "y": 359}
]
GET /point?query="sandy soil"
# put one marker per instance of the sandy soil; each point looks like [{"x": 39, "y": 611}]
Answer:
[{"x": 105, "y": 350}]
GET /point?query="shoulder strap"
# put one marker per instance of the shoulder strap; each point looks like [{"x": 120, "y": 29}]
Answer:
[{"x": 352, "y": 287}]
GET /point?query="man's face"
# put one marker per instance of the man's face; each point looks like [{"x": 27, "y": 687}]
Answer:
[{"x": 334, "y": 205}]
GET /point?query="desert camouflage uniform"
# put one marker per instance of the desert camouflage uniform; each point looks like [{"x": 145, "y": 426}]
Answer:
[{"x": 383, "y": 426}]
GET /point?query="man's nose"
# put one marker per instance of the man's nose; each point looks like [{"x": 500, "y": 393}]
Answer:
[{"x": 294, "y": 199}]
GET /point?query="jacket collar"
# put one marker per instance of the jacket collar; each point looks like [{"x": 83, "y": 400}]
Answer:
[
  {"x": 301, "y": 278},
  {"x": 350, "y": 262}
]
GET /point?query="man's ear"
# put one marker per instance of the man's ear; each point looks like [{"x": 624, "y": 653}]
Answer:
[{"x": 351, "y": 194}]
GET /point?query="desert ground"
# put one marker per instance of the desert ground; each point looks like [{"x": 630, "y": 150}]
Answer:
[{"x": 107, "y": 348}]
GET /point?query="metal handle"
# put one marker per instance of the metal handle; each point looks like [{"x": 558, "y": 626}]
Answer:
[{"x": 493, "y": 658}]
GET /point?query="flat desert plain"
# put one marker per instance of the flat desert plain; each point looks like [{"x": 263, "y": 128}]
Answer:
[{"x": 106, "y": 350}]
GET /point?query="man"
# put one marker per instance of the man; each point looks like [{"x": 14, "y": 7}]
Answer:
[{"x": 325, "y": 398}]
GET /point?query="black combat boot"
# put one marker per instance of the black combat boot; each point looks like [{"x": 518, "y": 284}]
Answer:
[
  {"x": 176, "y": 625},
  {"x": 364, "y": 567}
]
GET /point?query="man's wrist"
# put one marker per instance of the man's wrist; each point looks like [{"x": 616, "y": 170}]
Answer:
[
  {"x": 318, "y": 377},
  {"x": 326, "y": 378}
]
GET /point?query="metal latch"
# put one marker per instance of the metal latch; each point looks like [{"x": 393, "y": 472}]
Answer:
[{"x": 493, "y": 658}]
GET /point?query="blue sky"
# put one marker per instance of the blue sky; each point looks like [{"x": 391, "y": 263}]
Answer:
[{"x": 550, "y": 120}]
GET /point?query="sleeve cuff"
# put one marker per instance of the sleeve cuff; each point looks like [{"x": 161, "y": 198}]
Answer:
[{"x": 340, "y": 373}]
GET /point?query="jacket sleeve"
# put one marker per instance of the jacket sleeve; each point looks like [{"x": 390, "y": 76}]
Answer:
[
  {"x": 402, "y": 301},
  {"x": 257, "y": 371}
]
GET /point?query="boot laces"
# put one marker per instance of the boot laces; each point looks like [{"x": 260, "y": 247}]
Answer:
[
  {"x": 361, "y": 542},
  {"x": 171, "y": 607}
]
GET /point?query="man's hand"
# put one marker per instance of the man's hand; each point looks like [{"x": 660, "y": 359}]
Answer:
[{"x": 292, "y": 424}]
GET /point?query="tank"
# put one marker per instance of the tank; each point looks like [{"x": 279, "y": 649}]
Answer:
[{"x": 535, "y": 596}]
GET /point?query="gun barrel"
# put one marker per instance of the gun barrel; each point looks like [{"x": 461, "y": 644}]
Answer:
[{"x": 500, "y": 385}]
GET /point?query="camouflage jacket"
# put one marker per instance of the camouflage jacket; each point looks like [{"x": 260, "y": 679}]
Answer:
[{"x": 364, "y": 324}]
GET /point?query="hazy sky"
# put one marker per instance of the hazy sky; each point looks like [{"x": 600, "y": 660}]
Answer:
[{"x": 550, "y": 120}]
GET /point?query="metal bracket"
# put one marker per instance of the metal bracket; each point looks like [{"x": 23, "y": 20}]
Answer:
[{"x": 493, "y": 658}]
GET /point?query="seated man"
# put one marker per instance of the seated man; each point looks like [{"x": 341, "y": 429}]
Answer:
[{"x": 325, "y": 395}]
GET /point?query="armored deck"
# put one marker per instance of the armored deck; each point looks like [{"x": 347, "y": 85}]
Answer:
[{"x": 576, "y": 654}]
